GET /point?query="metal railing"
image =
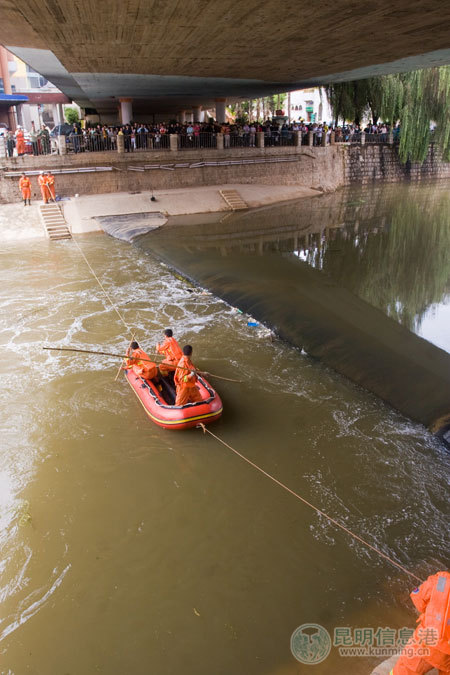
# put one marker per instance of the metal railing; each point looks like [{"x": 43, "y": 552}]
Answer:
[
  {"x": 40, "y": 146},
  {"x": 203, "y": 139},
  {"x": 152, "y": 141},
  {"x": 240, "y": 139},
  {"x": 377, "y": 138},
  {"x": 90, "y": 143},
  {"x": 287, "y": 137}
]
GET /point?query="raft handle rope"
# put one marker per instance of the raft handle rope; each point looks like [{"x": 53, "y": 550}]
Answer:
[{"x": 311, "y": 506}]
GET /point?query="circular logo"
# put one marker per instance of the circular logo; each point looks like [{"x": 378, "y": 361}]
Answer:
[{"x": 310, "y": 643}]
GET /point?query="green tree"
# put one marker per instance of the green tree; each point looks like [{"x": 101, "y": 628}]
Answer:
[
  {"x": 71, "y": 115},
  {"x": 413, "y": 99}
]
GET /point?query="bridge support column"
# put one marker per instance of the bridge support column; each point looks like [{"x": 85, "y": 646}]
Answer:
[
  {"x": 197, "y": 110},
  {"x": 4, "y": 74},
  {"x": 58, "y": 114},
  {"x": 126, "y": 110},
  {"x": 182, "y": 116},
  {"x": 220, "y": 110},
  {"x": 260, "y": 139},
  {"x": 173, "y": 142},
  {"x": 62, "y": 149}
]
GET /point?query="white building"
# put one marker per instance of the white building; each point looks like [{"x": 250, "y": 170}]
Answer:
[{"x": 310, "y": 105}]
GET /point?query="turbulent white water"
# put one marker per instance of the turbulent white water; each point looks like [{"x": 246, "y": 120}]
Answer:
[{"x": 126, "y": 548}]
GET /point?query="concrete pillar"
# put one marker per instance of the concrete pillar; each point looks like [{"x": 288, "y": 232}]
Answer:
[
  {"x": 197, "y": 110},
  {"x": 363, "y": 138},
  {"x": 323, "y": 142},
  {"x": 310, "y": 138},
  {"x": 333, "y": 138},
  {"x": 182, "y": 116},
  {"x": 391, "y": 138},
  {"x": 58, "y": 114},
  {"x": 219, "y": 141},
  {"x": 260, "y": 139},
  {"x": 120, "y": 143},
  {"x": 4, "y": 74},
  {"x": 220, "y": 110},
  {"x": 62, "y": 149},
  {"x": 126, "y": 110},
  {"x": 297, "y": 138},
  {"x": 173, "y": 142}
]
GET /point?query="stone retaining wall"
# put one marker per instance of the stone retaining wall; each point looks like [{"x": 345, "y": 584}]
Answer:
[
  {"x": 367, "y": 163},
  {"x": 326, "y": 168}
]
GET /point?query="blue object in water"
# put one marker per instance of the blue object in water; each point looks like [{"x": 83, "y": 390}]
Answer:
[{"x": 252, "y": 323}]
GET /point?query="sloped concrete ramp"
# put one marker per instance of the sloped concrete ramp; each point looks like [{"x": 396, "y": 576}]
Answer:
[{"x": 128, "y": 226}]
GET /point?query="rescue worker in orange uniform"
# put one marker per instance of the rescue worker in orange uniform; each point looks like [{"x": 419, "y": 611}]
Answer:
[
  {"x": 172, "y": 353},
  {"x": 25, "y": 187},
  {"x": 51, "y": 186},
  {"x": 20, "y": 141},
  {"x": 429, "y": 647},
  {"x": 42, "y": 180},
  {"x": 185, "y": 379},
  {"x": 145, "y": 369}
]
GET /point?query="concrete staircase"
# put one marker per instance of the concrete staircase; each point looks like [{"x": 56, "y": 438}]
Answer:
[
  {"x": 233, "y": 199},
  {"x": 54, "y": 222}
]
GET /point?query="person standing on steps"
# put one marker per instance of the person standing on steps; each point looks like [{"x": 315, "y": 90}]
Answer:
[
  {"x": 51, "y": 186},
  {"x": 42, "y": 180}
]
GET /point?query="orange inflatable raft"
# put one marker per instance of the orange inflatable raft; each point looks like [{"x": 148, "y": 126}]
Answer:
[{"x": 159, "y": 404}]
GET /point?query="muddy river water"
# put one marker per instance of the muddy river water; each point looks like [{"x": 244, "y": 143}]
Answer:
[{"x": 129, "y": 549}]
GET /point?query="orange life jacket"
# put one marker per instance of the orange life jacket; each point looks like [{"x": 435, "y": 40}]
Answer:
[
  {"x": 171, "y": 350},
  {"x": 432, "y": 599},
  {"x": 146, "y": 369},
  {"x": 183, "y": 377}
]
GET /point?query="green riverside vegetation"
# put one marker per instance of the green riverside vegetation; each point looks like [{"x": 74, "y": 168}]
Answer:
[{"x": 414, "y": 99}]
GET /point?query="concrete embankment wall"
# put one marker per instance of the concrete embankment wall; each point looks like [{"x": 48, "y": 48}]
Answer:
[
  {"x": 321, "y": 168},
  {"x": 369, "y": 163}
]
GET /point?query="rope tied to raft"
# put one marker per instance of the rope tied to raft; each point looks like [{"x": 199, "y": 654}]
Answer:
[{"x": 311, "y": 506}]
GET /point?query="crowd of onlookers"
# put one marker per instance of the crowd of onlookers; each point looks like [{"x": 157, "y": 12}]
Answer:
[
  {"x": 150, "y": 136},
  {"x": 23, "y": 142}
]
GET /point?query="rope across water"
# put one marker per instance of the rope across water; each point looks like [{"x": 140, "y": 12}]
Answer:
[
  {"x": 102, "y": 287},
  {"x": 311, "y": 506},
  {"x": 255, "y": 466}
]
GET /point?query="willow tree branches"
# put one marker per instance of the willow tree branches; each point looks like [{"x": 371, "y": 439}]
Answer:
[{"x": 414, "y": 100}]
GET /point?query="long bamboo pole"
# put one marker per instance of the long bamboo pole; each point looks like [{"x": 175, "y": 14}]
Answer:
[
  {"x": 128, "y": 349},
  {"x": 134, "y": 358}
]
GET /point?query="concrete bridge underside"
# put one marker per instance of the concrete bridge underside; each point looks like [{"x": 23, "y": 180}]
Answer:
[{"x": 171, "y": 55}]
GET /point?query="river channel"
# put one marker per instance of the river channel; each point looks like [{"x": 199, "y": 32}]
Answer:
[{"x": 130, "y": 549}]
